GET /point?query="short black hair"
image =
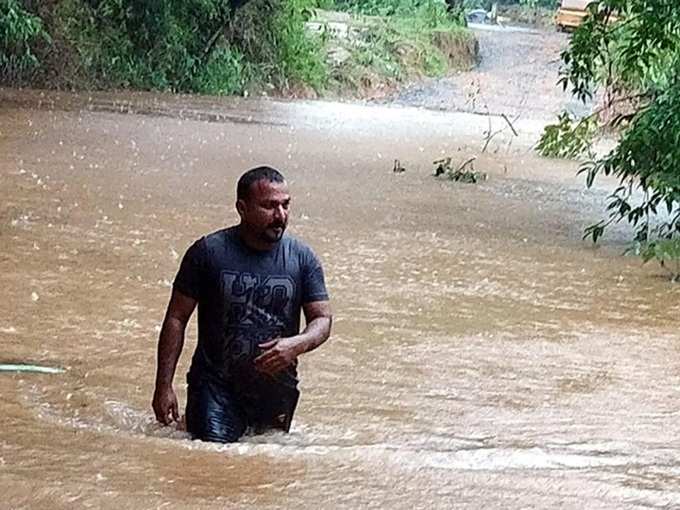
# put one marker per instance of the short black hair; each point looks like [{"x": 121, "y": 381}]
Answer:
[{"x": 253, "y": 175}]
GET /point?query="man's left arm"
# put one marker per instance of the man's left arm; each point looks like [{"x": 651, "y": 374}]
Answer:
[{"x": 281, "y": 352}]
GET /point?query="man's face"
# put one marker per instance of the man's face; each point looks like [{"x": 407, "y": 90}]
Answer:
[{"x": 264, "y": 212}]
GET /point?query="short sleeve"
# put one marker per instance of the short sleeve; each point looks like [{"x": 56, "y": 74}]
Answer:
[
  {"x": 190, "y": 279},
  {"x": 313, "y": 281}
]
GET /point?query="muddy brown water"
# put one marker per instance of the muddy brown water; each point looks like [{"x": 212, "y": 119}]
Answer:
[{"x": 482, "y": 356}]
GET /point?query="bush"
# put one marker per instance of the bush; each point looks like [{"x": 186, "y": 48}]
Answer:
[
  {"x": 402, "y": 8},
  {"x": 191, "y": 45},
  {"x": 271, "y": 34},
  {"x": 20, "y": 32},
  {"x": 392, "y": 49},
  {"x": 225, "y": 73},
  {"x": 636, "y": 61}
]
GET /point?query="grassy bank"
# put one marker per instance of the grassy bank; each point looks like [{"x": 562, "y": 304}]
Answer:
[
  {"x": 371, "y": 55},
  {"x": 287, "y": 47}
]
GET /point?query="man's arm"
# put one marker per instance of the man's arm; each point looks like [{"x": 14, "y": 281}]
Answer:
[
  {"x": 281, "y": 352},
  {"x": 170, "y": 346}
]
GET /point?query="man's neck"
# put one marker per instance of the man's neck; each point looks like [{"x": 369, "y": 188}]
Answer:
[{"x": 253, "y": 242}]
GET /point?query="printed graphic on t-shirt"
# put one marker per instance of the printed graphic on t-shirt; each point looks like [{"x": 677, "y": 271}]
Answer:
[{"x": 256, "y": 308}]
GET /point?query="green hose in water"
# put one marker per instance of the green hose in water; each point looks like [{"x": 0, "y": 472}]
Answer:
[{"x": 20, "y": 367}]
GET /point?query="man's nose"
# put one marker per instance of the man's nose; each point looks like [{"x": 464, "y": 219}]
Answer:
[{"x": 279, "y": 213}]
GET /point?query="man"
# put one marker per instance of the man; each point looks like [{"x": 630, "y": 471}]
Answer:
[{"x": 250, "y": 282}]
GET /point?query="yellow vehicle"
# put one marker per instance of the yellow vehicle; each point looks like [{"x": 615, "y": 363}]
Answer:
[{"x": 571, "y": 14}]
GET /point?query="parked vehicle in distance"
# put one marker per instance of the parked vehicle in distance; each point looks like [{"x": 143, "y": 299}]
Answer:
[
  {"x": 477, "y": 16},
  {"x": 571, "y": 14}
]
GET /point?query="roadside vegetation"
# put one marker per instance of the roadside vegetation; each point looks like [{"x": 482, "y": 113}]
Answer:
[
  {"x": 293, "y": 47},
  {"x": 386, "y": 44},
  {"x": 20, "y": 34},
  {"x": 202, "y": 46},
  {"x": 628, "y": 53}
]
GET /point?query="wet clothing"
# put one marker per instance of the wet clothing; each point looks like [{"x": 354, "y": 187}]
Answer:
[
  {"x": 220, "y": 413},
  {"x": 245, "y": 297}
]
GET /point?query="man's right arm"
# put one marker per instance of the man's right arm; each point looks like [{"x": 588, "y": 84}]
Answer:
[{"x": 170, "y": 345}]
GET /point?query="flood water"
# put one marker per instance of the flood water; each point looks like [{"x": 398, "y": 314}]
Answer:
[{"x": 482, "y": 356}]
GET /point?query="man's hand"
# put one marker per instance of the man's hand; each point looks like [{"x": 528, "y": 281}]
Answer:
[
  {"x": 165, "y": 405},
  {"x": 170, "y": 344},
  {"x": 278, "y": 354}
]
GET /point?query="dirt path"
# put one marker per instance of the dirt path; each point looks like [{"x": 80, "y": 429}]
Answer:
[{"x": 517, "y": 75}]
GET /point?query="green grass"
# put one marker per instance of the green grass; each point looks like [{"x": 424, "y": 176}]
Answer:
[
  {"x": 20, "y": 33},
  {"x": 395, "y": 49},
  {"x": 199, "y": 46}
]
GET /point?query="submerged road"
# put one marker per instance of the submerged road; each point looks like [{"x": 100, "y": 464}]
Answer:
[
  {"x": 517, "y": 76},
  {"x": 483, "y": 355}
]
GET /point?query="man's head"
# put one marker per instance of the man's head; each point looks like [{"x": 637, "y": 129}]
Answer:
[{"x": 262, "y": 202}]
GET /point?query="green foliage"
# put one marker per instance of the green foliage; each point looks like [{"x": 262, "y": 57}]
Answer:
[
  {"x": 205, "y": 46},
  {"x": 391, "y": 49},
  {"x": 20, "y": 33},
  {"x": 535, "y": 4},
  {"x": 635, "y": 55},
  {"x": 666, "y": 252},
  {"x": 271, "y": 33},
  {"x": 435, "y": 12},
  {"x": 147, "y": 45},
  {"x": 647, "y": 164},
  {"x": 193, "y": 45},
  {"x": 531, "y": 4},
  {"x": 224, "y": 73},
  {"x": 569, "y": 138},
  {"x": 383, "y": 7}
]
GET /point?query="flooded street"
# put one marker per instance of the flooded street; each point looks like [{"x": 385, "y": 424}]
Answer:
[
  {"x": 517, "y": 75},
  {"x": 482, "y": 356}
]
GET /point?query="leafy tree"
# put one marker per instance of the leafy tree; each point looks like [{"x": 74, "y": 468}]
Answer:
[
  {"x": 205, "y": 46},
  {"x": 628, "y": 51},
  {"x": 20, "y": 32}
]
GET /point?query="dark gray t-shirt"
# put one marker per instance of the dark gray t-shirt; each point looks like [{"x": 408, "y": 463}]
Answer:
[{"x": 245, "y": 298}]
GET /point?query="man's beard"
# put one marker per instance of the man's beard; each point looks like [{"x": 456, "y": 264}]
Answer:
[{"x": 274, "y": 233}]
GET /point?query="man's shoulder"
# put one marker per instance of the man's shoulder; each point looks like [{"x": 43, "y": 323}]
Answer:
[
  {"x": 218, "y": 238},
  {"x": 214, "y": 246},
  {"x": 301, "y": 250},
  {"x": 296, "y": 245}
]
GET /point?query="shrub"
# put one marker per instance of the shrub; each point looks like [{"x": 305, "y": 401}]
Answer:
[
  {"x": 20, "y": 32},
  {"x": 635, "y": 58},
  {"x": 192, "y": 45}
]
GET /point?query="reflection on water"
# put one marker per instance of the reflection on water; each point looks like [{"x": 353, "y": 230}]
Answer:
[{"x": 483, "y": 356}]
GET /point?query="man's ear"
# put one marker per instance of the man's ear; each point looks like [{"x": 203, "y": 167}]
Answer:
[{"x": 240, "y": 207}]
